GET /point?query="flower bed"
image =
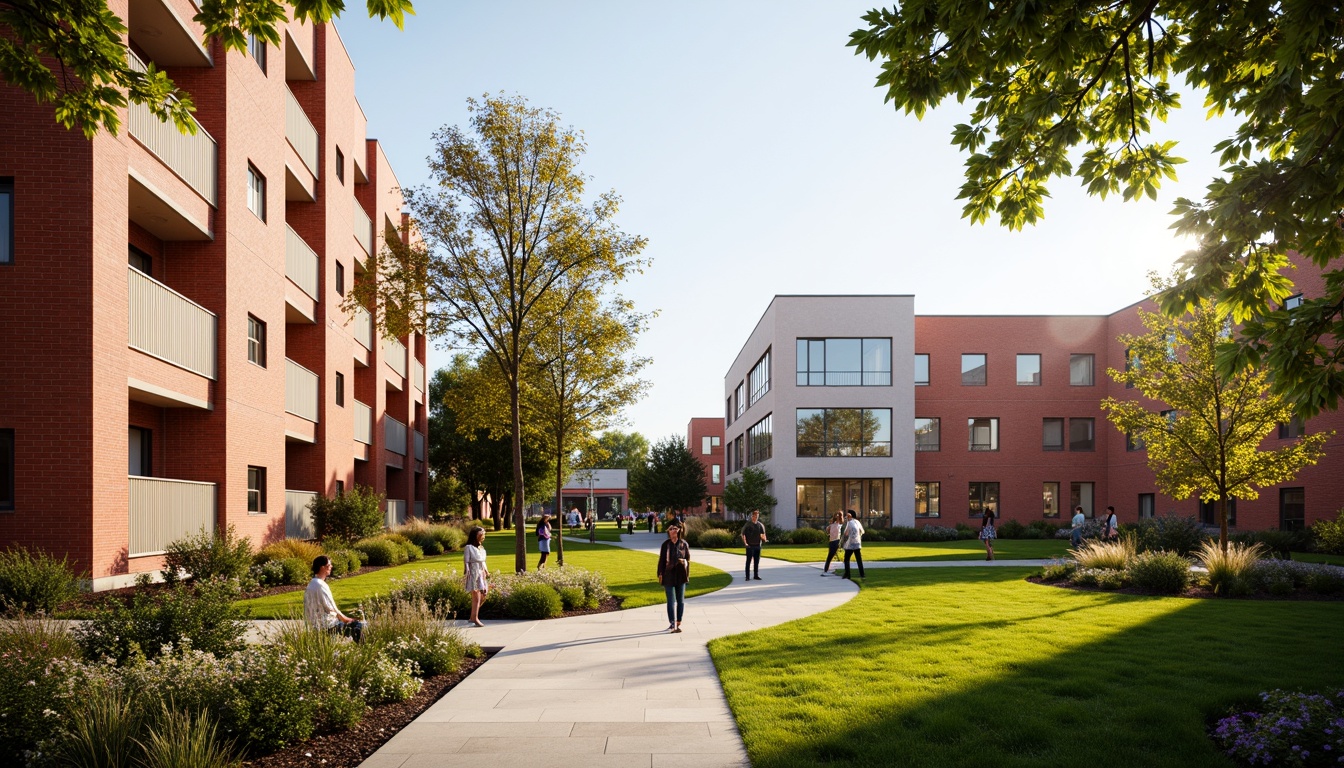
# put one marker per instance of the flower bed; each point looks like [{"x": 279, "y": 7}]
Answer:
[{"x": 1286, "y": 728}]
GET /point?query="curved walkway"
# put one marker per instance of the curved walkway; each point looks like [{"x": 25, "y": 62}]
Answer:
[{"x": 611, "y": 690}]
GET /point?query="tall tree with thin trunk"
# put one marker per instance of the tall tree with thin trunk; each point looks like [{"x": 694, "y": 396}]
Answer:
[
  {"x": 672, "y": 479},
  {"x": 507, "y": 243}
]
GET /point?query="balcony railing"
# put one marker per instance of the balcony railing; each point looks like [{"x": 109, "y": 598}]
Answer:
[
  {"x": 419, "y": 446},
  {"x": 363, "y": 423},
  {"x": 394, "y": 352},
  {"x": 418, "y": 375},
  {"x": 302, "y": 390},
  {"x": 169, "y": 326},
  {"x": 394, "y": 435},
  {"x": 163, "y": 511},
  {"x": 300, "y": 132},
  {"x": 363, "y": 325},
  {"x": 300, "y": 263},
  {"x": 298, "y": 518},
  {"x": 363, "y": 227},
  {"x": 396, "y": 512},
  {"x": 195, "y": 158}
]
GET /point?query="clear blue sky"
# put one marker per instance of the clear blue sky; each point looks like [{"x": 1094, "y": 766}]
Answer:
[{"x": 754, "y": 153}]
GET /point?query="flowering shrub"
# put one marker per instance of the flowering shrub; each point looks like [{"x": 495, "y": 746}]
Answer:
[
  {"x": 200, "y": 613},
  {"x": 31, "y": 649},
  {"x": 1182, "y": 535},
  {"x": 207, "y": 555},
  {"x": 1092, "y": 529},
  {"x": 1057, "y": 570},
  {"x": 1291, "y": 729},
  {"x": 1280, "y": 577},
  {"x": 413, "y": 631}
]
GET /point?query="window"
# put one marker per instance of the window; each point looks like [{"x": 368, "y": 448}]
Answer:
[
  {"x": 1028, "y": 370},
  {"x": 1147, "y": 505},
  {"x": 984, "y": 496},
  {"x": 844, "y": 432},
  {"x": 1080, "y": 495},
  {"x": 1080, "y": 370},
  {"x": 705, "y": 446},
  {"x": 1294, "y": 428},
  {"x": 1208, "y": 512},
  {"x": 926, "y": 500},
  {"x": 1292, "y": 501},
  {"x": 1293, "y": 302},
  {"x": 1131, "y": 364},
  {"x": 139, "y": 260},
  {"x": 256, "y": 490},
  {"x": 256, "y": 192},
  {"x": 340, "y": 278},
  {"x": 1081, "y": 435},
  {"x": 1052, "y": 435},
  {"x": 140, "y": 452},
  {"x": 819, "y": 498},
  {"x": 340, "y": 389},
  {"x": 256, "y": 341},
  {"x": 984, "y": 434},
  {"x": 728, "y": 412},
  {"x": 340, "y": 165},
  {"x": 7, "y": 469},
  {"x": 715, "y": 474},
  {"x": 738, "y": 453},
  {"x": 340, "y": 487},
  {"x": 973, "y": 370},
  {"x": 739, "y": 402},
  {"x": 921, "y": 370},
  {"x": 1133, "y": 443},
  {"x": 927, "y": 435},
  {"x": 760, "y": 443},
  {"x": 6, "y": 221},
  {"x": 844, "y": 362},
  {"x": 256, "y": 48},
  {"x": 1050, "y": 500},
  {"x": 715, "y": 441},
  {"x": 760, "y": 378}
]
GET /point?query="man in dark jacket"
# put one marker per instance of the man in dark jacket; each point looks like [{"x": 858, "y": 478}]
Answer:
[{"x": 753, "y": 534}]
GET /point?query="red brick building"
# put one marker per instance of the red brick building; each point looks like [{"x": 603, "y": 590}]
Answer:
[
  {"x": 177, "y": 355},
  {"x": 704, "y": 438}
]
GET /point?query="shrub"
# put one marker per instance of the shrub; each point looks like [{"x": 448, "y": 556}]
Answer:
[
  {"x": 448, "y": 595},
  {"x": 336, "y": 671},
  {"x": 717, "y": 539},
  {"x": 269, "y": 574},
  {"x": 1103, "y": 578},
  {"x": 535, "y": 601},
  {"x": 1114, "y": 555},
  {"x": 1045, "y": 528},
  {"x": 201, "y": 615},
  {"x": 101, "y": 732},
  {"x": 380, "y": 551},
  {"x": 1162, "y": 573},
  {"x": 179, "y": 739},
  {"x": 344, "y": 562},
  {"x": 1092, "y": 529},
  {"x": 285, "y": 548},
  {"x": 205, "y": 555},
  {"x": 1182, "y": 535},
  {"x": 571, "y": 598},
  {"x": 692, "y": 529},
  {"x": 941, "y": 533},
  {"x": 1010, "y": 529},
  {"x": 1328, "y": 535},
  {"x": 1324, "y": 580},
  {"x": 296, "y": 571},
  {"x": 1293, "y": 729},
  {"x": 1229, "y": 573},
  {"x": 1276, "y": 543},
  {"x": 28, "y": 683},
  {"x": 413, "y": 552},
  {"x": 808, "y": 536},
  {"x": 350, "y": 516},
  {"x": 35, "y": 581},
  {"x": 412, "y": 631},
  {"x": 1057, "y": 570},
  {"x": 266, "y": 706}
]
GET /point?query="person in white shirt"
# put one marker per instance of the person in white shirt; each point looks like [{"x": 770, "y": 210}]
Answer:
[
  {"x": 851, "y": 538},
  {"x": 1112, "y": 525},
  {"x": 1078, "y": 520},
  {"x": 474, "y": 575},
  {"x": 319, "y": 607}
]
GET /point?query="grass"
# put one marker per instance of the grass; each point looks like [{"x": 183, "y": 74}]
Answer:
[
  {"x": 968, "y": 549},
  {"x": 630, "y": 575},
  {"x": 977, "y": 667},
  {"x": 1314, "y": 557}
]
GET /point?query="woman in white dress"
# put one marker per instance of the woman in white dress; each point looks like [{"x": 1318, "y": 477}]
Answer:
[{"x": 474, "y": 573}]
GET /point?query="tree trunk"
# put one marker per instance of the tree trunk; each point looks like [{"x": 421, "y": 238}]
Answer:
[
  {"x": 520, "y": 533},
  {"x": 1222, "y": 522},
  {"x": 559, "y": 511}
]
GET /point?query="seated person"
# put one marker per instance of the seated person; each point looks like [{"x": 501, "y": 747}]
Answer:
[{"x": 319, "y": 607}]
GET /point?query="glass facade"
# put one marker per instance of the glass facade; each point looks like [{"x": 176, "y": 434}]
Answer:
[
  {"x": 844, "y": 432},
  {"x": 760, "y": 442},
  {"x": 927, "y": 500},
  {"x": 844, "y": 363},
  {"x": 759, "y": 378},
  {"x": 984, "y": 496},
  {"x": 820, "y": 498},
  {"x": 927, "y": 434}
]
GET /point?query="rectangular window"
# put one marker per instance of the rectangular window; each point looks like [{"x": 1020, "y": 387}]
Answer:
[
  {"x": 340, "y": 165},
  {"x": 1133, "y": 443},
  {"x": 340, "y": 487},
  {"x": 728, "y": 412},
  {"x": 7, "y": 462},
  {"x": 921, "y": 370},
  {"x": 1080, "y": 495},
  {"x": 1292, "y": 501},
  {"x": 1147, "y": 505},
  {"x": 1208, "y": 512},
  {"x": 715, "y": 441},
  {"x": 256, "y": 48},
  {"x": 739, "y": 400},
  {"x": 256, "y": 341},
  {"x": 984, "y": 497},
  {"x": 844, "y": 363},
  {"x": 1028, "y": 370},
  {"x": 760, "y": 442},
  {"x": 1080, "y": 370},
  {"x": 705, "y": 448},
  {"x": 738, "y": 453},
  {"x": 256, "y": 192},
  {"x": 973, "y": 370},
  {"x": 1050, "y": 500},
  {"x": 1052, "y": 434},
  {"x": 715, "y": 474},
  {"x": 760, "y": 378},
  {"x": 340, "y": 279},
  {"x": 926, "y": 500},
  {"x": 984, "y": 434},
  {"x": 256, "y": 490},
  {"x": 1294, "y": 428},
  {"x": 1081, "y": 435},
  {"x": 1131, "y": 364},
  {"x": 843, "y": 431},
  {"x": 6, "y": 221},
  {"x": 340, "y": 389},
  {"x": 140, "y": 452},
  {"x": 927, "y": 434},
  {"x": 139, "y": 260},
  {"x": 820, "y": 498},
  {"x": 1293, "y": 302}
]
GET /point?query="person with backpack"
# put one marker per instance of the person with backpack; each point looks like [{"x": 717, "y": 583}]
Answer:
[
  {"x": 851, "y": 539},
  {"x": 1112, "y": 531}
]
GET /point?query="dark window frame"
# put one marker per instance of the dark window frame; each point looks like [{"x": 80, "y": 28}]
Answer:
[
  {"x": 256, "y": 50},
  {"x": 1092, "y": 434},
  {"x": 937, "y": 432},
  {"x": 9, "y": 459},
  {"x": 1091, "y": 368},
  {"x": 146, "y": 450},
  {"x": 759, "y": 379},
  {"x": 134, "y": 254},
  {"x": 254, "y": 174},
  {"x": 340, "y": 278},
  {"x": 7, "y": 238},
  {"x": 928, "y": 372},
  {"x": 256, "y": 344},
  {"x": 340, "y": 165},
  {"x": 1018, "y": 372},
  {"x": 1058, "y": 502},
  {"x": 1298, "y": 521},
  {"x": 994, "y": 434},
  {"x": 340, "y": 389},
  {"x": 804, "y": 370},
  {"x": 1292, "y": 429},
  {"x": 933, "y": 506},
  {"x": 978, "y": 500},
  {"x": 761, "y": 440},
  {"x": 1063, "y": 434},
  {"x": 984, "y": 368},
  {"x": 256, "y": 494},
  {"x": 1151, "y": 498}
]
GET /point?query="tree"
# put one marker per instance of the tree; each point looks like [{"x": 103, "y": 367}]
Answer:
[
  {"x": 750, "y": 491},
  {"x": 1046, "y": 78},
  {"x": 1204, "y": 436},
  {"x": 671, "y": 479},
  {"x": 614, "y": 449},
  {"x": 92, "y": 78}
]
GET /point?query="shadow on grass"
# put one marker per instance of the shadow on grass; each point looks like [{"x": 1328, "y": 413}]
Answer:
[{"x": 976, "y": 667}]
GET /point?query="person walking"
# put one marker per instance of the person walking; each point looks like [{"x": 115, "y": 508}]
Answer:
[
  {"x": 543, "y": 540},
  {"x": 319, "y": 607},
  {"x": 753, "y": 534},
  {"x": 1112, "y": 531},
  {"x": 987, "y": 532},
  {"x": 833, "y": 534},
  {"x": 1076, "y": 537},
  {"x": 851, "y": 538},
  {"x": 674, "y": 571},
  {"x": 474, "y": 573}
]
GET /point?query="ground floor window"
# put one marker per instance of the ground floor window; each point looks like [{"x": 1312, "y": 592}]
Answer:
[
  {"x": 819, "y": 499},
  {"x": 1050, "y": 500},
  {"x": 927, "y": 500},
  {"x": 6, "y": 469},
  {"x": 984, "y": 496},
  {"x": 1080, "y": 495},
  {"x": 1147, "y": 505},
  {"x": 1292, "y": 507},
  {"x": 1208, "y": 512},
  {"x": 256, "y": 490}
]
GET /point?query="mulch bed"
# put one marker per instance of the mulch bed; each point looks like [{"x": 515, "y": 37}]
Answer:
[
  {"x": 347, "y": 749},
  {"x": 1195, "y": 593}
]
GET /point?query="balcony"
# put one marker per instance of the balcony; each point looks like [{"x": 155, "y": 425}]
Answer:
[
  {"x": 363, "y": 328},
  {"x": 396, "y": 512},
  {"x": 298, "y": 518},
  {"x": 394, "y": 354},
  {"x": 301, "y": 267},
  {"x": 419, "y": 443},
  {"x": 169, "y": 326},
  {"x": 302, "y": 391},
  {"x": 394, "y": 442},
  {"x": 363, "y": 430},
  {"x": 418, "y": 376},
  {"x": 299, "y": 46},
  {"x": 163, "y": 511},
  {"x": 193, "y": 158},
  {"x": 301, "y": 163},
  {"x": 363, "y": 227},
  {"x": 167, "y": 31}
]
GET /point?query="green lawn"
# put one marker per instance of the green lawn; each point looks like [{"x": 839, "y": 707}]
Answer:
[
  {"x": 630, "y": 575},
  {"x": 977, "y": 667},
  {"x": 1313, "y": 557},
  {"x": 969, "y": 549}
]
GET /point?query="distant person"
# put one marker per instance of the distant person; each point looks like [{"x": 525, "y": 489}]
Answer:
[
  {"x": 674, "y": 571},
  {"x": 1112, "y": 530},
  {"x": 474, "y": 575},
  {"x": 574, "y": 518},
  {"x": 591, "y": 522},
  {"x": 649, "y": 517},
  {"x": 753, "y": 534},
  {"x": 833, "y": 535},
  {"x": 987, "y": 532},
  {"x": 851, "y": 538},
  {"x": 319, "y": 607},
  {"x": 1078, "y": 520},
  {"x": 543, "y": 540}
]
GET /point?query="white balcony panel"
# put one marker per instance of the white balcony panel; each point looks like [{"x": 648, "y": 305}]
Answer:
[
  {"x": 363, "y": 227},
  {"x": 298, "y": 517},
  {"x": 363, "y": 328},
  {"x": 301, "y": 263},
  {"x": 300, "y": 132},
  {"x": 396, "y": 512},
  {"x": 363, "y": 423},
  {"x": 195, "y": 158},
  {"x": 418, "y": 375},
  {"x": 169, "y": 326},
  {"x": 302, "y": 390},
  {"x": 163, "y": 511},
  {"x": 394, "y": 352},
  {"x": 394, "y": 435}
]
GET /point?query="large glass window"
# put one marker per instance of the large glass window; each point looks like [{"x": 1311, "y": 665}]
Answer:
[
  {"x": 256, "y": 490},
  {"x": 715, "y": 474},
  {"x": 7, "y": 462},
  {"x": 1082, "y": 436},
  {"x": 760, "y": 378},
  {"x": 740, "y": 400},
  {"x": 760, "y": 443},
  {"x": 739, "y": 454},
  {"x": 1133, "y": 443},
  {"x": 1052, "y": 434},
  {"x": 1147, "y": 505},
  {"x": 984, "y": 497},
  {"x": 928, "y": 434},
  {"x": 728, "y": 411},
  {"x": 1292, "y": 501},
  {"x": 984, "y": 434},
  {"x": 870, "y": 498},
  {"x": 1028, "y": 370},
  {"x": 6, "y": 221},
  {"x": 844, "y": 362},
  {"x": 974, "y": 370},
  {"x": 844, "y": 431},
  {"x": 1080, "y": 370},
  {"x": 921, "y": 370},
  {"x": 140, "y": 452},
  {"x": 1293, "y": 428},
  {"x": 1050, "y": 500},
  {"x": 926, "y": 500},
  {"x": 705, "y": 447}
]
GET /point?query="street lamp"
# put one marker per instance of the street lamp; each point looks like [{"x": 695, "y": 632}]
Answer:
[{"x": 592, "y": 511}]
